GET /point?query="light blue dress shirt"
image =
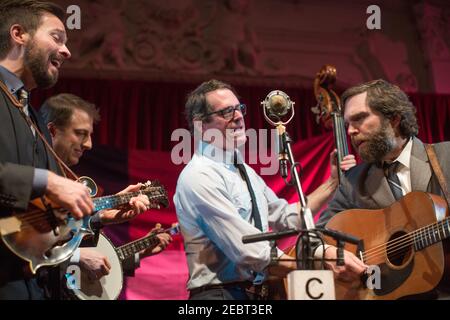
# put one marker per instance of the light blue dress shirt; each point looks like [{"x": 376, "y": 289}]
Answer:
[{"x": 214, "y": 207}]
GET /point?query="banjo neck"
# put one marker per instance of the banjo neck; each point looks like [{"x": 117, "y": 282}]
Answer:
[{"x": 150, "y": 241}]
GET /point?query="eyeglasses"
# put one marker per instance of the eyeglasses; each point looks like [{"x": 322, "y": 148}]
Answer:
[{"x": 228, "y": 113}]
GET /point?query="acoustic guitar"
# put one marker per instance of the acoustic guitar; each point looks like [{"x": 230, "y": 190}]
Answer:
[
  {"x": 109, "y": 286},
  {"x": 46, "y": 235},
  {"x": 404, "y": 240}
]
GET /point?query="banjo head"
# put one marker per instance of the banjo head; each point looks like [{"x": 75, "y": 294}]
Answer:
[{"x": 109, "y": 286}]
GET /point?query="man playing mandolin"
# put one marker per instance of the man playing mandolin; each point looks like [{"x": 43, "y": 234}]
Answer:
[
  {"x": 32, "y": 49},
  {"x": 70, "y": 120}
]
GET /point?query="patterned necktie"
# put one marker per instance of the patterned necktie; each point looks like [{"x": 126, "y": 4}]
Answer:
[
  {"x": 255, "y": 210},
  {"x": 392, "y": 178},
  {"x": 23, "y": 100}
]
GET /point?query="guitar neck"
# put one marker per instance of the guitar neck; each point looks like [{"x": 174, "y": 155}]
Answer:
[{"x": 431, "y": 234}]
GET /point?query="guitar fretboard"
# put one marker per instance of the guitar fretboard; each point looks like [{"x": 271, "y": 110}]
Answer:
[{"x": 431, "y": 234}]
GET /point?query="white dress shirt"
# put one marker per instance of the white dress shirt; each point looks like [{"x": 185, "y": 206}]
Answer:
[{"x": 404, "y": 169}]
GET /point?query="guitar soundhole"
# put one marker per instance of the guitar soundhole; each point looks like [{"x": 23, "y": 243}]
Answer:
[{"x": 399, "y": 249}]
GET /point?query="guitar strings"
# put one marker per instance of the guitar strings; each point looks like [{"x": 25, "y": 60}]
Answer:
[
  {"x": 420, "y": 234},
  {"x": 399, "y": 243},
  {"x": 418, "y": 231},
  {"x": 406, "y": 240}
]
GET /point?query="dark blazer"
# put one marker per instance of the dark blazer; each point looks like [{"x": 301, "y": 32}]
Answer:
[
  {"x": 365, "y": 186},
  {"x": 20, "y": 153}
]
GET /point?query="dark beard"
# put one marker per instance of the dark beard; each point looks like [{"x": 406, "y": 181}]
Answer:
[
  {"x": 36, "y": 61},
  {"x": 378, "y": 146}
]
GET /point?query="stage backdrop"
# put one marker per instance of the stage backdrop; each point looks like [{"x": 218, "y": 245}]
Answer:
[{"x": 133, "y": 143}]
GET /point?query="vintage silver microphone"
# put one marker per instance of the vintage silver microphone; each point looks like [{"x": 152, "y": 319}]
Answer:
[{"x": 276, "y": 107}]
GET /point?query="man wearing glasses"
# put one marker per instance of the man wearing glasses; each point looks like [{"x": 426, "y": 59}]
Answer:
[{"x": 219, "y": 199}]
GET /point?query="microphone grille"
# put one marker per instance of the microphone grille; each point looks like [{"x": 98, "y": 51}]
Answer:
[{"x": 278, "y": 105}]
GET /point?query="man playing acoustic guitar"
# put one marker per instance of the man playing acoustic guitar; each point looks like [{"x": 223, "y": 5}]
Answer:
[{"x": 382, "y": 126}]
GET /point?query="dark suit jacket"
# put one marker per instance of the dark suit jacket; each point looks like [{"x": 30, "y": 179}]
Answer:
[
  {"x": 365, "y": 186},
  {"x": 20, "y": 153}
]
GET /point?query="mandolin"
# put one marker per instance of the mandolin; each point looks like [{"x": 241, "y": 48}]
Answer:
[{"x": 46, "y": 235}]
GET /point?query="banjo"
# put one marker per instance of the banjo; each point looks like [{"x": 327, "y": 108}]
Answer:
[{"x": 109, "y": 287}]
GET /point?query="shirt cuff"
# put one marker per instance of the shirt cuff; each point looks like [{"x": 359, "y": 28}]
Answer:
[
  {"x": 40, "y": 180},
  {"x": 318, "y": 255},
  {"x": 75, "y": 257},
  {"x": 280, "y": 253}
]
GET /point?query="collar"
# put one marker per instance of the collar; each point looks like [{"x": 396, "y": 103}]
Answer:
[
  {"x": 219, "y": 155},
  {"x": 405, "y": 156},
  {"x": 11, "y": 81}
]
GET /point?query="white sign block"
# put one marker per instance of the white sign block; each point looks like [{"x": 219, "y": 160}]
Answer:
[{"x": 311, "y": 285}]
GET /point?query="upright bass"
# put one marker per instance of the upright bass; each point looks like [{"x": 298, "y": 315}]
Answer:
[{"x": 329, "y": 110}]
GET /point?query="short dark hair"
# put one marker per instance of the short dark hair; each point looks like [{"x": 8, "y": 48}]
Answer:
[
  {"x": 28, "y": 14},
  {"x": 59, "y": 109},
  {"x": 389, "y": 100},
  {"x": 197, "y": 107}
]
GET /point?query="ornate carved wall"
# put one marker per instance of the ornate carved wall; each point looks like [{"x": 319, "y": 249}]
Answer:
[{"x": 270, "y": 42}]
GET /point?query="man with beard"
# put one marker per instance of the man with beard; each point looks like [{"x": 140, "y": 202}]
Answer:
[
  {"x": 382, "y": 126},
  {"x": 219, "y": 199},
  {"x": 32, "y": 48}
]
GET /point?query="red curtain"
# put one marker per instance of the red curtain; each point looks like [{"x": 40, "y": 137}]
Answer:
[
  {"x": 133, "y": 144},
  {"x": 142, "y": 115}
]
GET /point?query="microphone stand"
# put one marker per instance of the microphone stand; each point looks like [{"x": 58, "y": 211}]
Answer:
[
  {"x": 305, "y": 251},
  {"x": 340, "y": 237},
  {"x": 277, "y": 105}
]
